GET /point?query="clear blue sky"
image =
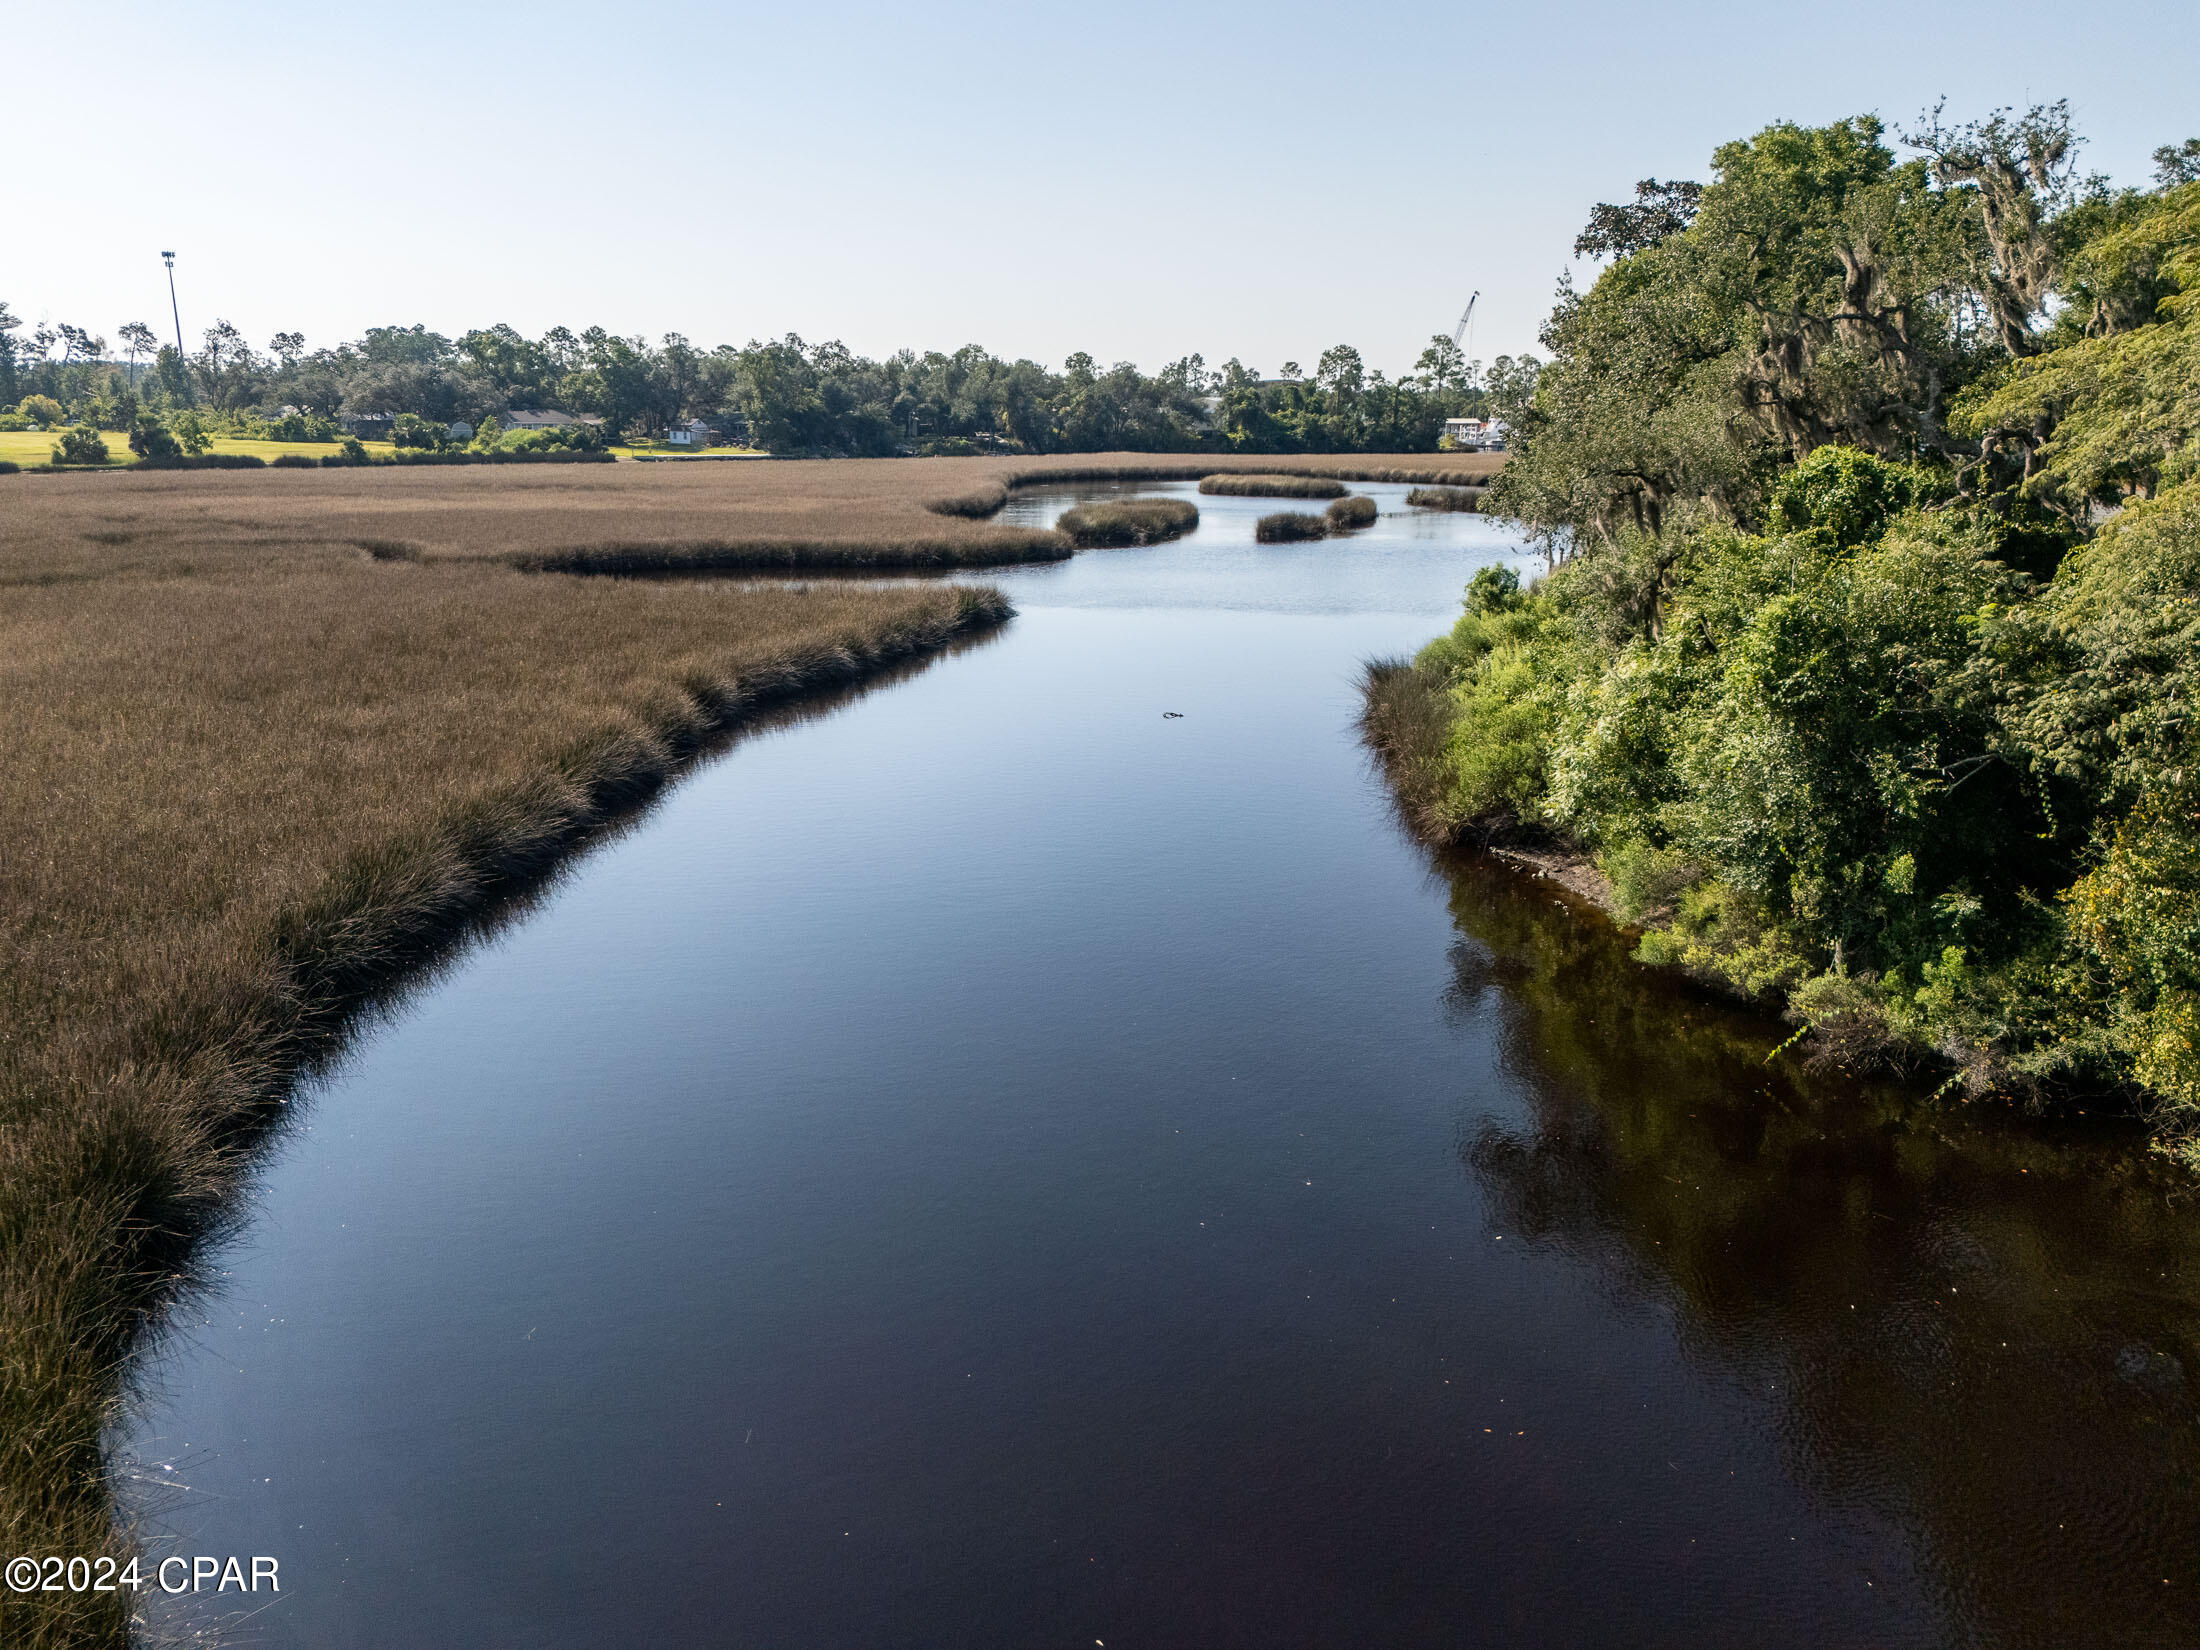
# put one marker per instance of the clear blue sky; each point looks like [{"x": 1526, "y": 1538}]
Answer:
[{"x": 1140, "y": 181}]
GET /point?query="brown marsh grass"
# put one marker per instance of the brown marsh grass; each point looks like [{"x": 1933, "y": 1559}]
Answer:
[
  {"x": 1446, "y": 498},
  {"x": 760, "y": 515},
  {"x": 1405, "y": 720},
  {"x": 1290, "y": 527},
  {"x": 253, "y": 780},
  {"x": 1349, "y": 514},
  {"x": 1272, "y": 486},
  {"x": 1126, "y": 521}
]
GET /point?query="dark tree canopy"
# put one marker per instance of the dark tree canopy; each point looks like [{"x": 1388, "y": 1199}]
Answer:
[
  {"x": 1865, "y": 666},
  {"x": 1658, "y": 210}
]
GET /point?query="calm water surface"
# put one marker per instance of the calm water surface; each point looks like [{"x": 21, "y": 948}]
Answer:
[{"x": 992, "y": 1165}]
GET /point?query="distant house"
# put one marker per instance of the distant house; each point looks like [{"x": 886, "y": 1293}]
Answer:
[
  {"x": 1466, "y": 432},
  {"x": 544, "y": 418},
  {"x": 367, "y": 426},
  {"x": 460, "y": 431},
  {"x": 694, "y": 433}
]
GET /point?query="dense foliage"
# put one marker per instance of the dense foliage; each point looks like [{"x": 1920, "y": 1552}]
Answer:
[
  {"x": 1866, "y": 661},
  {"x": 787, "y": 395}
]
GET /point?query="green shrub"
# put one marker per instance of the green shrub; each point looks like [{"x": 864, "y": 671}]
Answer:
[
  {"x": 1349, "y": 513},
  {"x": 584, "y": 438},
  {"x": 1500, "y": 735},
  {"x": 1259, "y": 486},
  {"x": 43, "y": 411},
  {"x": 1129, "y": 521},
  {"x": 11, "y": 422},
  {"x": 205, "y": 461},
  {"x": 1493, "y": 589},
  {"x": 150, "y": 438},
  {"x": 2137, "y": 916},
  {"x": 80, "y": 445},
  {"x": 300, "y": 427},
  {"x": 1290, "y": 527},
  {"x": 1646, "y": 880},
  {"x": 190, "y": 431},
  {"x": 411, "y": 430},
  {"x": 294, "y": 461},
  {"x": 1848, "y": 495},
  {"x": 1725, "y": 938}
]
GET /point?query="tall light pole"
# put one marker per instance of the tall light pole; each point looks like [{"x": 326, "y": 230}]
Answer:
[{"x": 169, "y": 258}]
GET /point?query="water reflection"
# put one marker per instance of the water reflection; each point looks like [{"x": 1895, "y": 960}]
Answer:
[{"x": 1974, "y": 1329}]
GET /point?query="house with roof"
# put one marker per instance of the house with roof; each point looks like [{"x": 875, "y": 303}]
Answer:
[
  {"x": 543, "y": 418},
  {"x": 1475, "y": 434}
]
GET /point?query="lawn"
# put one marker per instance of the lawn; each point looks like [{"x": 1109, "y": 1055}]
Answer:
[
  {"x": 660, "y": 449},
  {"x": 28, "y": 447}
]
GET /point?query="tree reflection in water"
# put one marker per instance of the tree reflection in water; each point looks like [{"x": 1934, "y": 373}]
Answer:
[{"x": 1978, "y": 1328}]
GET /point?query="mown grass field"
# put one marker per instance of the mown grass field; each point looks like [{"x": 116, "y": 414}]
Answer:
[
  {"x": 664, "y": 449},
  {"x": 28, "y": 447}
]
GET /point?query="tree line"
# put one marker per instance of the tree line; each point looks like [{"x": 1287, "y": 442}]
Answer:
[
  {"x": 1868, "y": 478},
  {"x": 788, "y": 395}
]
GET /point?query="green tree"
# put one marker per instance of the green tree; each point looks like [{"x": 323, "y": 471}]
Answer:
[
  {"x": 1867, "y": 665},
  {"x": 228, "y": 371},
  {"x": 2117, "y": 412},
  {"x": 80, "y": 445},
  {"x": 411, "y": 430},
  {"x": 1659, "y": 210},
  {"x": 150, "y": 438},
  {"x": 613, "y": 381},
  {"x": 2022, "y": 170},
  {"x": 173, "y": 377},
  {"x": 9, "y": 324},
  {"x": 1443, "y": 365},
  {"x": 190, "y": 431},
  {"x": 137, "y": 338},
  {"x": 517, "y": 370}
]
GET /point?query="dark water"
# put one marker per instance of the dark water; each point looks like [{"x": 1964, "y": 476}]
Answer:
[{"x": 995, "y": 1166}]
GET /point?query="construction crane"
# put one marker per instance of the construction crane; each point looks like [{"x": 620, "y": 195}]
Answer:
[{"x": 1466, "y": 322}]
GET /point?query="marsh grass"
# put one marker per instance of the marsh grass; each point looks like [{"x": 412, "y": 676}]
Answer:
[
  {"x": 763, "y": 516},
  {"x": 1290, "y": 527},
  {"x": 1272, "y": 486},
  {"x": 974, "y": 505},
  {"x": 1350, "y": 514},
  {"x": 255, "y": 780},
  {"x": 1128, "y": 521},
  {"x": 274, "y": 738},
  {"x": 1406, "y": 720},
  {"x": 1445, "y": 498}
]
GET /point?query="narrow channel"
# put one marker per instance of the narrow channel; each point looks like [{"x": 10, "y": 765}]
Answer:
[{"x": 1001, "y": 1163}]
